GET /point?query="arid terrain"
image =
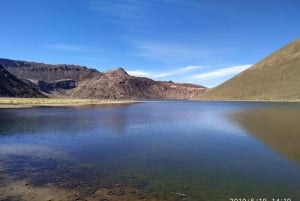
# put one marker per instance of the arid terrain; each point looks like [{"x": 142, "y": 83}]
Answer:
[{"x": 75, "y": 81}]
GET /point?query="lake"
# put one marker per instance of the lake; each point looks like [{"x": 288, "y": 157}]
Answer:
[{"x": 154, "y": 151}]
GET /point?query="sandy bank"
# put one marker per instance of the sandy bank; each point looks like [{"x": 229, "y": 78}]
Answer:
[{"x": 55, "y": 102}]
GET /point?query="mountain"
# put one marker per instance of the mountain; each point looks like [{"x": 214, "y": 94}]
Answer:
[
  {"x": 81, "y": 82},
  {"x": 276, "y": 77},
  {"x": 47, "y": 72},
  {"x": 52, "y": 80},
  {"x": 10, "y": 86},
  {"x": 118, "y": 84}
]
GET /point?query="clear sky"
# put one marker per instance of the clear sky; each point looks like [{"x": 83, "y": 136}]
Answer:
[{"x": 196, "y": 41}]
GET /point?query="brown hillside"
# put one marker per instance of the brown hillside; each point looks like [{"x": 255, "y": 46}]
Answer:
[
  {"x": 276, "y": 77},
  {"x": 118, "y": 84},
  {"x": 10, "y": 86}
]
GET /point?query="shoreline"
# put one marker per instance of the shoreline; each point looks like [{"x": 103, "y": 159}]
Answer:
[
  {"x": 14, "y": 103},
  {"x": 255, "y": 101}
]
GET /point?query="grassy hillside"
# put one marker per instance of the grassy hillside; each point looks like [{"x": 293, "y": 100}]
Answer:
[{"x": 276, "y": 77}]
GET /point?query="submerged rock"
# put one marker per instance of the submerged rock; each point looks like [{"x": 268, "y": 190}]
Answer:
[{"x": 181, "y": 195}]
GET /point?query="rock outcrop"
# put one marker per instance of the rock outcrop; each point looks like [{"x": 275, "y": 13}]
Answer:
[
  {"x": 10, "y": 86},
  {"x": 49, "y": 87}
]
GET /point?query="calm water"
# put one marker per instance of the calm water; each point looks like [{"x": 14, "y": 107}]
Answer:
[{"x": 151, "y": 151}]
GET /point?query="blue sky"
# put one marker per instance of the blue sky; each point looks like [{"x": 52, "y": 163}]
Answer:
[{"x": 195, "y": 41}]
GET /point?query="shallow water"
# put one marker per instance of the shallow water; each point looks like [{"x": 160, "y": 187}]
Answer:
[{"x": 177, "y": 150}]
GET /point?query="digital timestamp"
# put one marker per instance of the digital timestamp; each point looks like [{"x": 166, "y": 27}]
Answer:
[{"x": 260, "y": 199}]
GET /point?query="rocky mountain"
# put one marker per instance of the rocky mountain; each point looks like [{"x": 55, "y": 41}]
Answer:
[
  {"x": 276, "y": 77},
  {"x": 81, "y": 82},
  {"x": 47, "y": 72},
  {"x": 10, "y": 86},
  {"x": 118, "y": 84}
]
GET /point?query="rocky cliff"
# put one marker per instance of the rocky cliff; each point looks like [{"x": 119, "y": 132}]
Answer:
[
  {"x": 47, "y": 72},
  {"x": 10, "y": 86}
]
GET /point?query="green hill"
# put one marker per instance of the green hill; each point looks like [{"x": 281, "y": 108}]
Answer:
[{"x": 276, "y": 77}]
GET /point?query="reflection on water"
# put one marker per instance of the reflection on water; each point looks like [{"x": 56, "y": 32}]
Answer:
[
  {"x": 155, "y": 151},
  {"x": 277, "y": 127},
  {"x": 61, "y": 120}
]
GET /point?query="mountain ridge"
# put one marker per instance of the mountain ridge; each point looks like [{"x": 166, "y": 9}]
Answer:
[
  {"x": 75, "y": 81},
  {"x": 47, "y": 72}
]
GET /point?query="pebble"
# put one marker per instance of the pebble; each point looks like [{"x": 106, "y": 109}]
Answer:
[
  {"x": 180, "y": 195},
  {"x": 118, "y": 185}
]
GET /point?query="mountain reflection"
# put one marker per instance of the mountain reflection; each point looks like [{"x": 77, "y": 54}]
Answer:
[
  {"x": 69, "y": 121},
  {"x": 277, "y": 127}
]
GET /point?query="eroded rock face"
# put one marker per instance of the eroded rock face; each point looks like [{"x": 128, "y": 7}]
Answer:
[
  {"x": 10, "y": 86},
  {"x": 81, "y": 82},
  {"x": 47, "y": 72},
  {"x": 49, "y": 87}
]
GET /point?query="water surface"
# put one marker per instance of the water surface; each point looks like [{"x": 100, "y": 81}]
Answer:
[{"x": 177, "y": 150}]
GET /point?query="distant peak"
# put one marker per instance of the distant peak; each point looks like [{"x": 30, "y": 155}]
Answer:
[{"x": 119, "y": 71}]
